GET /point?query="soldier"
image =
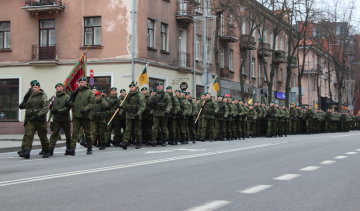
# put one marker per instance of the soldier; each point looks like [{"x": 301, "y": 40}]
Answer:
[
  {"x": 134, "y": 106},
  {"x": 35, "y": 120},
  {"x": 146, "y": 118},
  {"x": 122, "y": 117},
  {"x": 61, "y": 117},
  {"x": 220, "y": 117},
  {"x": 210, "y": 108},
  {"x": 27, "y": 95},
  {"x": 98, "y": 120},
  {"x": 251, "y": 121},
  {"x": 184, "y": 114},
  {"x": 172, "y": 119},
  {"x": 81, "y": 101},
  {"x": 260, "y": 114},
  {"x": 191, "y": 119},
  {"x": 199, "y": 117},
  {"x": 272, "y": 115},
  {"x": 309, "y": 114},
  {"x": 161, "y": 105},
  {"x": 113, "y": 102}
]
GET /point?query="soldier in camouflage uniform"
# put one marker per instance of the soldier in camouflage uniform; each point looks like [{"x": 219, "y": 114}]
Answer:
[
  {"x": 309, "y": 115},
  {"x": 161, "y": 105},
  {"x": 98, "y": 116},
  {"x": 184, "y": 113},
  {"x": 243, "y": 119},
  {"x": 251, "y": 121},
  {"x": 122, "y": 116},
  {"x": 134, "y": 106},
  {"x": 260, "y": 113},
  {"x": 60, "y": 114},
  {"x": 146, "y": 119},
  {"x": 173, "y": 125},
  {"x": 229, "y": 119},
  {"x": 209, "y": 110},
  {"x": 199, "y": 117},
  {"x": 220, "y": 117},
  {"x": 272, "y": 115},
  {"x": 35, "y": 120},
  {"x": 191, "y": 119},
  {"x": 113, "y": 102}
]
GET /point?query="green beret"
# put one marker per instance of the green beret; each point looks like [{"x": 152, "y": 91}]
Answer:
[
  {"x": 169, "y": 87},
  {"x": 113, "y": 88},
  {"x": 178, "y": 90},
  {"x": 153, "y": 90},
  {"x": 35, "y": 83},
  {"x": 83, "y": 79},
  {"x": 59, "y": 84},
  {"x": 187, "y": 93},
  {"x": 132, "y": 84},
  {"x": 203, "y": 94},
  {"x": 122, "y": 90},
  {"x": 94, "y": 88},
  {"x": 159, "y": 83},
  {"x": 144, "y": 88},
  {"x": 32, "y": 82}
]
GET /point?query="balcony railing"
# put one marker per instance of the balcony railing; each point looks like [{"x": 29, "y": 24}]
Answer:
[
  {"x": 227, "y": 34},
  {"x": 41, "y": 6},
  {"x": 44, "y": 52},
  {"x": 184, "y": 11},
  {"x": 248, "y": 42},
  {"x": 225, "y": 72},
  {"x": 183, "y": 59},
  {"x": 280, "y": 56},
  {"x": 264, "y": 49},
  {"x": 293, "y": 62}
]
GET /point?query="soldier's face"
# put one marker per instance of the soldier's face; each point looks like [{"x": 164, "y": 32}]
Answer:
[
  {"x": 97, "y": 97},
  {"x": 203, "y": 97},
  {"x": 59, "y": 88},
  {"x": 160, "y": 87},
  {"x": 145, "y": 92},
  {"x": 208, "y": 96},
  {"x": 169, "y": 90},
  {"x": 133, "y": 88},
  {"x": 35, "y": 88},
  {"x": 113, "y": 92},
  {"x": 94, "y": 91},
  {"x": 83, "y": 83}
]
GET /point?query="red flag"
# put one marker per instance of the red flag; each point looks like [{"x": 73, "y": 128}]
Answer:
[{"x": 79, "y": 71}]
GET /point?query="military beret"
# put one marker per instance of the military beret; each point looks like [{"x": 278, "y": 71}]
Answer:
[
  {"x": 144, "y": 88},
  {"x": 187, "y": 93},
  {"x": 159, "y": 83},
  {"x": 113, "y": 88},
  {"x": 59, "y": 84},
  {"x": 83, "y": 79},
  {"x": 169, "y": 87},
  {"x": 94, "y": 88},
  {"x": 178, "y": 90},
  {"x": 122, "y": 90},
  {"x": 153, "y": 90},
  {"x": 35, "y": 83},
  {"x": 203, "y": 94},
  {"x": 32, "y": 82},
  {"x": 132, "y": 84}
]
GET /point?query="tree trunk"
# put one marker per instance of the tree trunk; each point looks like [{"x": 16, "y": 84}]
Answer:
[
  {"x": 299, "y": 88},
  {"x": 216, "y": 56},
  {"x": 243, "y": 56},
  {"x": 287, "y": 85}
]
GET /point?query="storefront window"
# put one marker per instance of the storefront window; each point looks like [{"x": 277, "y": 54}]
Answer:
[
  {"x": 153, "y": 81},
  {"x": 9, "y": 99},
  {"x": 102, "y": 83}
]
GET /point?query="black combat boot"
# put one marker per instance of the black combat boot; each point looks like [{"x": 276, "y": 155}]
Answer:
[
  {"x": 102, "y": 146},
  {"x": 25, "y": 153},
  {"x": 138, "y": 146},
  {"x": 51, "y": 152},
  {"x": 124, "y": 146},
  {"x": 41, "y": 152},
  {"x": 46, "y": 154},
  {"x": 89, "y": 151}
]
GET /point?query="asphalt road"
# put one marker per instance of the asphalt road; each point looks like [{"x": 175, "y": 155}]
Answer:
[{"x": 302, "y": 172}]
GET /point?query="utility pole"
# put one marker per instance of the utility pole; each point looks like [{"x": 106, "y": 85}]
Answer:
[
  {"x": 205, "y": 47},
  {"x": 133, "y": 39},
  {"x": 194, "y": 60}
]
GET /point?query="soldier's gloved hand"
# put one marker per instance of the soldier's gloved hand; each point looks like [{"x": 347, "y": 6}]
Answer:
[
  {"x": 29, "y": 113},
  {"x": 22, "y": 105},
  {"x": 83, "y": 112}
]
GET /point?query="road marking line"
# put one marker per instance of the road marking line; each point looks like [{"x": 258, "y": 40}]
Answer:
[
  {"x": 351, "y": 153},
  {"x": 287, "y": 177},
  {"x": 256, "y": 189},
  {"x": 310, "y": 168},
  {"x": 208, "y": 206},
  {"x": 340, "y": 157},
  {"x": 358, "y": 149},
  {"x": 33, "y": 160},
  {"x": 343, "y": 135},
  {"x": 122, "y": 166},
  {"x": 328, "y": 162}
]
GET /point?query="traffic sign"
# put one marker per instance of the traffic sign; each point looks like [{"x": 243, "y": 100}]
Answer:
[
  {"x": 92, "y": 81},
  {"x": 184, "y": 86},
  {"x": 91, "y": 73}
]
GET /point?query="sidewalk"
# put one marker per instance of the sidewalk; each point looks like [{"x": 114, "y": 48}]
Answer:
[{"x": 10, "y": 143}]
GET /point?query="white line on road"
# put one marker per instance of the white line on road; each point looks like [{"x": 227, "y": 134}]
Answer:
[
  {"x": 33, "y": 160},
  {"x": 328, "y": 162},
  {"x": 358, "y": 149},
  {"x": 212, "y": 205},
  {"x": 344, "y": 135},
  {"x": 310, "y": 168},
  {"x": 340, "y": 157},
  {"x": 256, "y": 189},
  {"x": 122, "y": 166},
  {"x": 287, "y": 177},
  {"x": 351, "y": 153}
]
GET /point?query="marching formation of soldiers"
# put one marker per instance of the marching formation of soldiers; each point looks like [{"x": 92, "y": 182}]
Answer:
[{"x": 160, "y": 117}]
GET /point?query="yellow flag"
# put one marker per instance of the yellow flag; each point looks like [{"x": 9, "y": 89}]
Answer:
[
  {"x": 251, "y": 101},
  {"x": 216, "y": 86},
  {"x": 144, "y": 77}
]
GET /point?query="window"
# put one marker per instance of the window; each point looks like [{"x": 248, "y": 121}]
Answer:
[
  {"x": 152, "y": 82},
  {"x": 9, "y": 99},
  {"x": 252, "y": 68},
  {"x": 47, "y": 33},
  {"x": 199, "y": 90},
  {"x": 259, "y": 69},
  {"x": 243, "y": 27},
  {"x": 164, "y": 37},
  {"x": 101, "y": 83},
  {"x": 231, "y": 64},
  {"x": 5, "y": 35},
  {"x": 198, "y": 47},
  {"x": 222, "y": 58},
  {"x": 151, "y": 33},
  {"x": 92, "y": 31}
]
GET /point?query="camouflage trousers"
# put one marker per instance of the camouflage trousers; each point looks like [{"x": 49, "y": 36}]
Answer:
[
  {"x": 77, "y": 124},
  {"x": 159, "y": 127},
  {"x": 98, "y": 130},
  {"x": 115, "y": 126},
  {"x": 30, "y": 129},
  {"x": 133, "y": 125},
  {"x": 56, "y": 126}
]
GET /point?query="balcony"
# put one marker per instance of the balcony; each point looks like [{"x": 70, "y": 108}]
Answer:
[
  {"x": 44, "y": 54},
  {"x": 183, "y": 61},
  {"x": 227, "y": 34},
  {"x": 184, "y": 11},
  {"x": 248, "y": 42},
  {"x": 293, "y": 62},
  {"x": 43, "y": 6},
  {"x": 226, "y": 73},
  {"x": 312, "y": 68},
  {"x": 280, "y": 56},
  {"x": 264, "y": 49}
]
